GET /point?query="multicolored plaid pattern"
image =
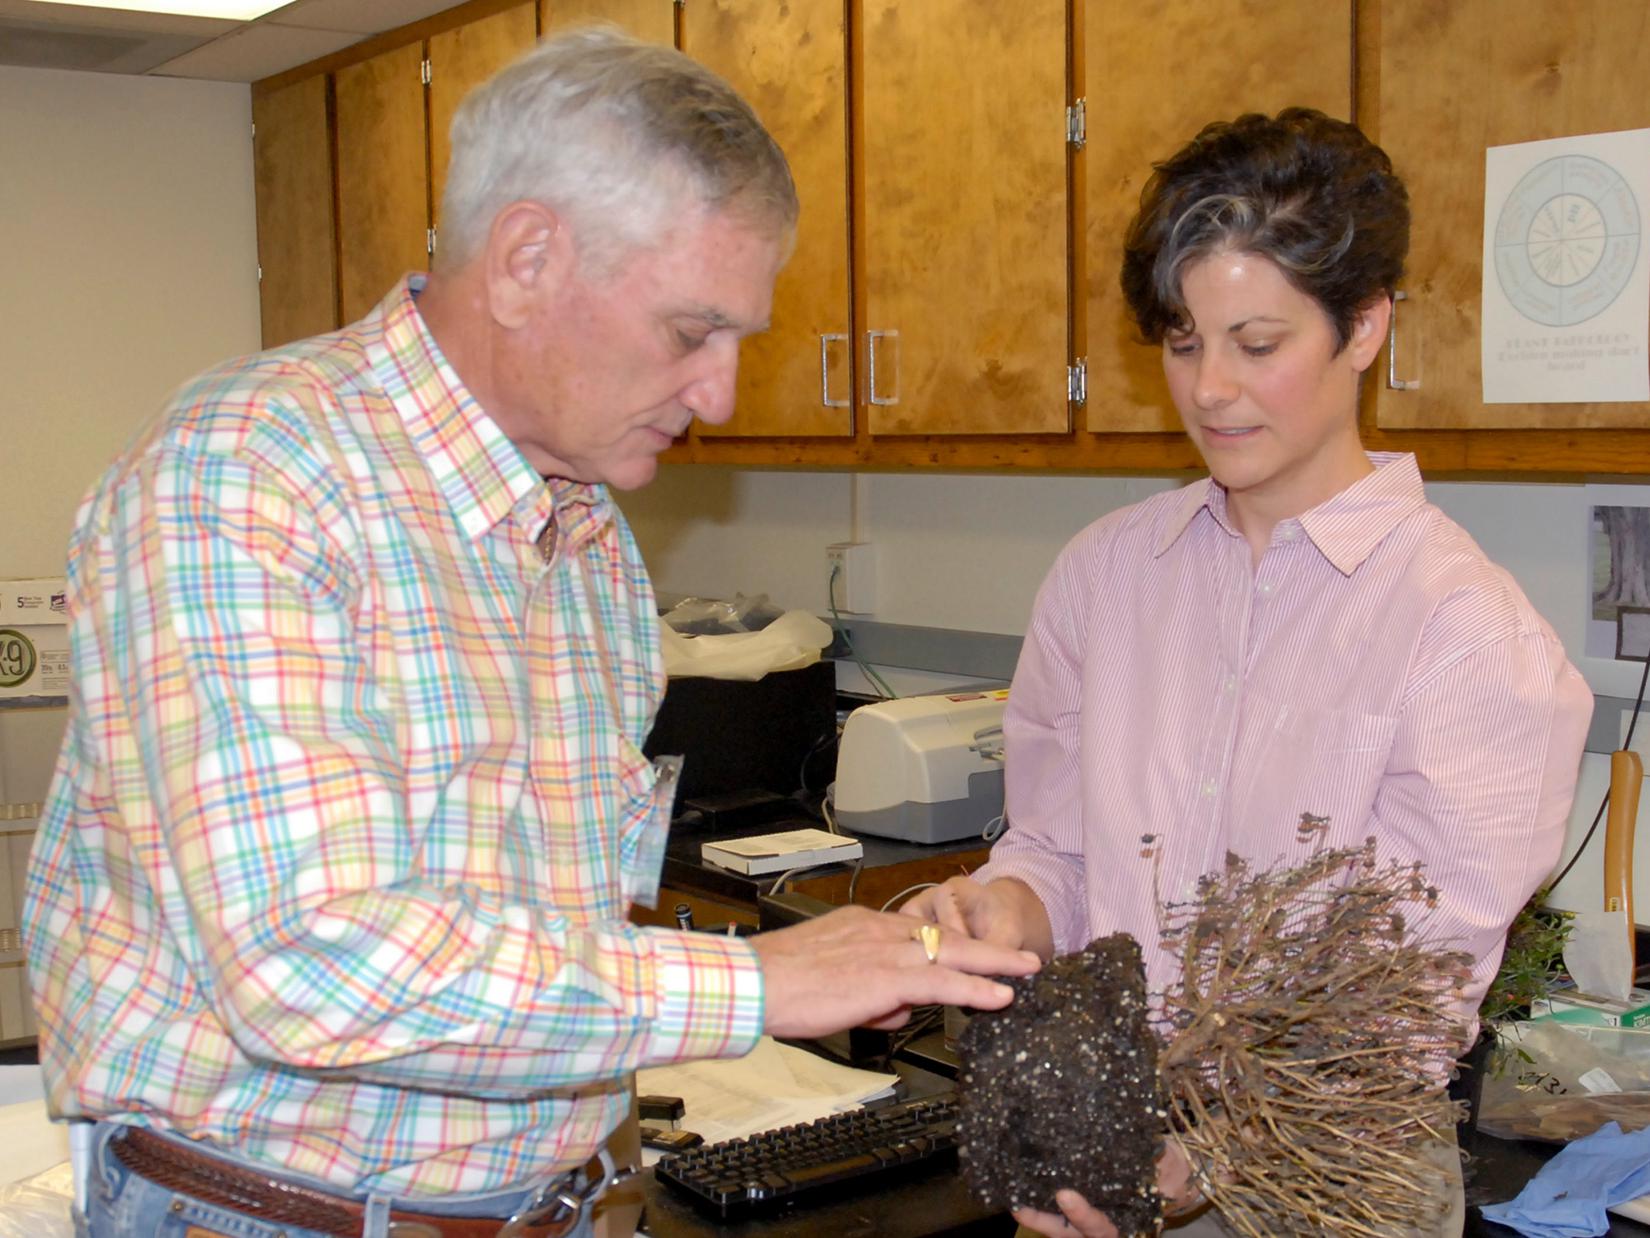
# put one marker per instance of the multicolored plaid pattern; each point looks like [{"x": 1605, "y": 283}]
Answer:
[{"x": 352, "y": 805}]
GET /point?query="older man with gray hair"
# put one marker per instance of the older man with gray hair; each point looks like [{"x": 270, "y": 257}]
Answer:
[{"x": 327, "y": 917}]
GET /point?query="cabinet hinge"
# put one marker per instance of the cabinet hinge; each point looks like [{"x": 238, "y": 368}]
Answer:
[
  {"x": 424, "y": 73},
  {"x": 1077, "y": 124},
  {"x": 260, "y": 273},
  {"x": 1077, "y": 381},
  {"x": 254, "y": 131},
  {"x": 429, "y": 241}
]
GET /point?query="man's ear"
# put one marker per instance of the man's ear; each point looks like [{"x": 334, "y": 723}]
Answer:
[
  {"x": 1369, "y": 331},
  {"x": 529, "y": 255}
]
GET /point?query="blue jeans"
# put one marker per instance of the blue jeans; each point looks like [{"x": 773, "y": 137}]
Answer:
[{"x": 121, "y": 1204}]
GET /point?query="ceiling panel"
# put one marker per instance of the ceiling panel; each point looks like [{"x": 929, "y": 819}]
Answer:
[
  {"x": 362, "y": 16},
  {"x": 89, "y": 17},
  {"x": 67, "y": 36},
  {"x": 256, "y": 51},
  {"x": 93, "y": 48}
]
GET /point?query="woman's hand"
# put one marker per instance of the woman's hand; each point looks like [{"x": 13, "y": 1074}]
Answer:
[
  {"x": 1077, "y": 1216},
  {"x": 1003, "y": 912}
]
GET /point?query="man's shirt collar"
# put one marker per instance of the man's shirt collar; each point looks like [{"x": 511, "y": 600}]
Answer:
[{"x": 481, "y": 473}]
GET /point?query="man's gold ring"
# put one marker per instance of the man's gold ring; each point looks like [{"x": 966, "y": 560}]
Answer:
[{"x": 929, "y": 936}]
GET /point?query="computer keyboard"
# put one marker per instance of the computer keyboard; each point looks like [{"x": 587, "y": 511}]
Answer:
[{"x": 798, "y": 1164}]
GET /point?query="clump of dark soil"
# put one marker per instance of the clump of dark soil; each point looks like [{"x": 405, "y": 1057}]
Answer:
[{"x": 1060, "y": 1089}]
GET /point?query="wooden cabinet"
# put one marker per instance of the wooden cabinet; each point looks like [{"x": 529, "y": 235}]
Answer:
[
  {"x": 461, "y": 59},
  {"x": 964, "y": 213},
  {"x": 654, "y": 20},
  {"x": 383, "y": 177},
  {"x": 947, "y": 219},
  {"x": 292, "y": 175},
  {"x": 1457, "y": 76},
  {"x": 790, "y": 62},
  {"x": 1157, "y": 72},
  {"x": 958, "y": 198}
]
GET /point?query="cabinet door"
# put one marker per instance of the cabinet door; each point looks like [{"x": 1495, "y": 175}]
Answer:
[
  {"x": 965, "y": 216},
  {"x": 1457, "y": 76},
  {"x": 654, "y": 20},
  {"x": 789, "y": 61},
  {"x": 292, "y": 174},
  {"x": 1157, "y": 72},
  {"x": 383, "y": 179},
  {"x": 461, "y": 59}
]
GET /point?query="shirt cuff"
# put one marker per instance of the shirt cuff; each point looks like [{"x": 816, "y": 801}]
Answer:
[{"x": 709, "y": 997}]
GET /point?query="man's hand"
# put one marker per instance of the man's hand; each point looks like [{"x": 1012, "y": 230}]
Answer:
[
  {"x": 1004, "y": 912},
  {"x": 1076, "y": 1216},
  {"x": 854, "y": 967}
]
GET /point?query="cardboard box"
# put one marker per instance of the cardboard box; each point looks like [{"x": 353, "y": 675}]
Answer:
[
  {"x": 1574, "y": 1006},
  {"x": 34, "y": 639}
]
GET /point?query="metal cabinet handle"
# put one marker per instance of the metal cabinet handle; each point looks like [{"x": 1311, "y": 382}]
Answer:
[
  {"x": 826, "y": 339},
  {"x": 871, "y": 338},
  {"x": 1392, "y": 379}
]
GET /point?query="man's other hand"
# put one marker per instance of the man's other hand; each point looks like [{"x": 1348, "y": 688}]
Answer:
[{"x": 855, "y": 967}]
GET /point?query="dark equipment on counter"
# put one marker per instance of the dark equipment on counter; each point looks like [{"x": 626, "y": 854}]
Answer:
[{"x": 739, "y": 735}]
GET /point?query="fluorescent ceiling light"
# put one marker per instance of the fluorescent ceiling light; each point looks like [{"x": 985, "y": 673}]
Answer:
[{"x": 227, "y": 10}]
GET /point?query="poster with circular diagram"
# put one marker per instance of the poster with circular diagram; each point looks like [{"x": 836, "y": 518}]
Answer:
[{"x": 1566, "y": 295}]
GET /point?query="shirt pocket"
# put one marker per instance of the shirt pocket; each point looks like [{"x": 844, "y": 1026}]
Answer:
[
  {"x": 1326, "y": 763},
  {"x": 646, "y": 802}
]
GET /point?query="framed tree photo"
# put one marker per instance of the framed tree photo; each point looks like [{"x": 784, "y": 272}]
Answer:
[{"x": 1619, "y": 619}]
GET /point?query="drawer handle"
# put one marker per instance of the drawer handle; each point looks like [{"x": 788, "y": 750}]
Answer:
[
  {"x": 1392, "y": 379},
  {"x": 826, "y": 339},
  {"x": 871, "y": 338}
]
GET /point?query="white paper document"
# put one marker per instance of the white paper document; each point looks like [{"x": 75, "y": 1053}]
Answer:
[
  {"x": 1566, "y": 289},
  {"x": 774, "y": 1085}
]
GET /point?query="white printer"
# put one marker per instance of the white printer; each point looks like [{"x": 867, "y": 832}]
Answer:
[{"x": 924, "y": 769}]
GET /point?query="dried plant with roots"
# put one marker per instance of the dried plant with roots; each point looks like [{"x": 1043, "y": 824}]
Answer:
[
  {"x": 1301, "y": 1062},
  {"x": 1306, "y": 1044}
]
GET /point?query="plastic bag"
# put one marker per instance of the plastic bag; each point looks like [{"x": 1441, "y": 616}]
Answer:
[
  {"x": 715, "y": 617},
  {"x": 790, "y": 642},
  {"x": 38, "y": 1207},
  {"x": 1560, "y": 1081}
]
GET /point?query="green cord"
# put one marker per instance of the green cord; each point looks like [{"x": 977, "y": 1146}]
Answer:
[{"x": 876, "y": 680}]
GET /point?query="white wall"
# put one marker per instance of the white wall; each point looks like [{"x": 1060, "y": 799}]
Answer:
[
  {"x": 953, "y": 551},
  {"x": 130, "y": 262},
  {"x": 966, "y": 551}
]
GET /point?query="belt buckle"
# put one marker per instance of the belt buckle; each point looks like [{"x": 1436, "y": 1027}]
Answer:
[
  {"x": 540, "y": 1209},
  {"x": 564, "y": 1193}
]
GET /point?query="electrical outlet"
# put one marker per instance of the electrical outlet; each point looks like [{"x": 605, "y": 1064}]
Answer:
[{"x": 852, "y": 577}]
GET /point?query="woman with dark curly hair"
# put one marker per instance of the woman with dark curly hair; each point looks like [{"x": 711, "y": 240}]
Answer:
[{"x": 1301, "y": 632}]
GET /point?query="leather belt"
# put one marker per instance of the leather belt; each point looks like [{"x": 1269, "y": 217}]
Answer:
[{"x": 552, "y": 1213}]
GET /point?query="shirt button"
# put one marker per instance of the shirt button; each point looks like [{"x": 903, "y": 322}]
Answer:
[
  {"x": 1210, "y": 787},
  {"x": 1231, "y": 683},
  {"x": 1265, "y": 587},
  {"x": 546, "y": 540},
  {"x": 1289, "y": 532}
]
